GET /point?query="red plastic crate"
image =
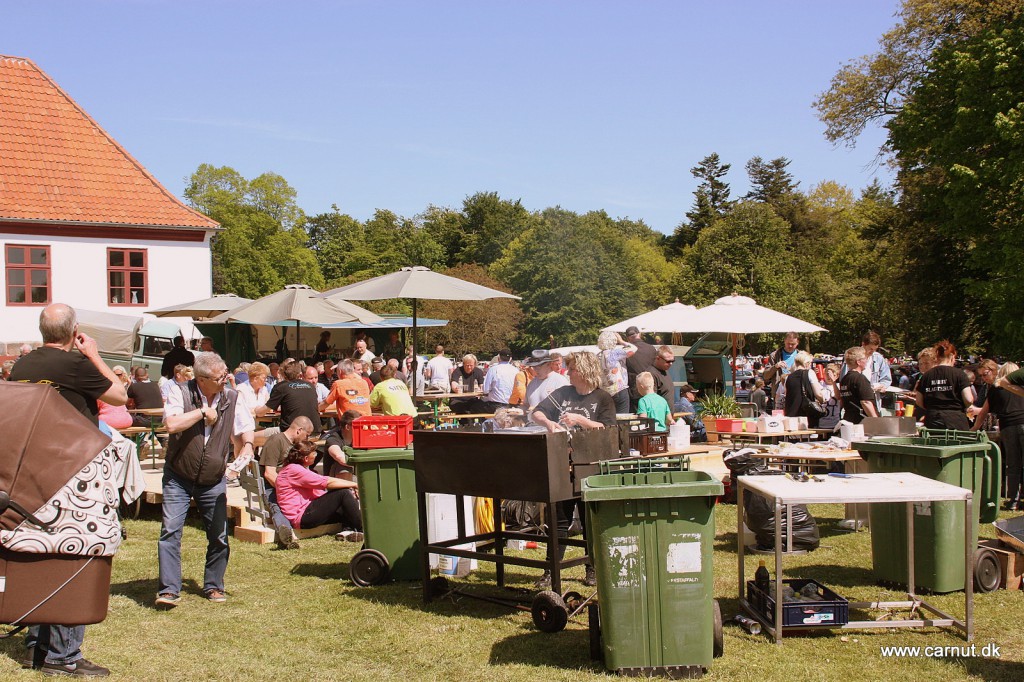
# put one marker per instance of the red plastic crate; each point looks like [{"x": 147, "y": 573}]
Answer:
[{"x": 370, "y": 433}]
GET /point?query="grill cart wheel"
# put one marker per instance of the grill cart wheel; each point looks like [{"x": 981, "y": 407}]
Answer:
[{"x": 549, "y": 612}]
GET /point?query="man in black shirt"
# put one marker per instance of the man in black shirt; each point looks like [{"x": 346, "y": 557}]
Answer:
[
  {"x": 143, "y": 394},
  {"x": 179, "y": 355},
  {"x": 294, "y": 396},
  {"x": 80, "y": 379},
  {"x": 638, "y": 362}
]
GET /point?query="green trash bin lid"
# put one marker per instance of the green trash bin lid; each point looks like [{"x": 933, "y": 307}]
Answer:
[
  {"x": 930, "y": 443},
  {"x": 651, "y": 485},
  {"x": 379, "y": 455}
]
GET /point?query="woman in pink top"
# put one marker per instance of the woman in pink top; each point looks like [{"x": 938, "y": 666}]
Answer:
[{"x": 308, "y": 499}]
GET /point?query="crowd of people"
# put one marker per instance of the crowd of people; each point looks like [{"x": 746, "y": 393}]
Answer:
[{"x": 211, "y": 415}]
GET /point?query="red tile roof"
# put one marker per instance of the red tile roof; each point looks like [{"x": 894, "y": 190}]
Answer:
[{"x": 59, "y": 165}]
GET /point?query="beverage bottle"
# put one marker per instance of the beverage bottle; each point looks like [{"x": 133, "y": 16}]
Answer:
[{"x": 761, "y": 577}]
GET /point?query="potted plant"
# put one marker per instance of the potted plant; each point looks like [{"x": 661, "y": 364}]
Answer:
[{"x": 714, "y": 406}]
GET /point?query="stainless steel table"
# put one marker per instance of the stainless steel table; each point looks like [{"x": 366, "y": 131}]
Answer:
[{"x": 864, "y": 489}]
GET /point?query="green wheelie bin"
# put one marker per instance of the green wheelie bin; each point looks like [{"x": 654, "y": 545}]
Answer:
[
  {"x": 652, "y": 539},
  {"x": 966, "y": 459},
  {"x": 391, "y": 531}
]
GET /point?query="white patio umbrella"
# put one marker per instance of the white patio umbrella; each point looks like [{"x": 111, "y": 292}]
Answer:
[
  {"x": 415, "y": 283},
  {"x": 737, "y": 315},
  {"x": 203, "y": 308},
  {"x": 300, "y": 304},
  {"x": 668, "y": 318}
]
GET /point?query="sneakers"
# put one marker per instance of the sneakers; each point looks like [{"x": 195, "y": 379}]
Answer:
[
  {"x": 80, "y": 668},
  {"x": 349, "y": 536},
  {"x": 544, "y": 582},
  {"x": 590, "y": 579},
  {"x": 167, "y": 600},
  {"x": 286, "y": 538},
  {"x": 216, "y": 596}
]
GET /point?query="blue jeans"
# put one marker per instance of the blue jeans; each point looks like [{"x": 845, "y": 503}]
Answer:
[
  {"x": 62, "y": 643},
  {"x": 212, "y": 502},
  {"x": 279, "y": 518}
]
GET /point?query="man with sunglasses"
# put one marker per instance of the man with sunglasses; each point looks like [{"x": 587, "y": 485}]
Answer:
[
  {"x": 201, "y": 419},
  {"x": 663, "y": 384}
]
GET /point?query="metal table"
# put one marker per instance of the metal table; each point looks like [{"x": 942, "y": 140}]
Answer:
[
  {"x": 865, "y": 489},
  {"x": 535, "y": 466}
]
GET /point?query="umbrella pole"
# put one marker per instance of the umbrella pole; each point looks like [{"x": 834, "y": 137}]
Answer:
[
  {"x": 415, "y": 358},
  {"x": 297, "y": 336},
  {"x": 733, "y": 366}
]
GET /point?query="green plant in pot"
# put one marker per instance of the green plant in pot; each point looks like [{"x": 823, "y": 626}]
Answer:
[{"x": 713, "y": 406}]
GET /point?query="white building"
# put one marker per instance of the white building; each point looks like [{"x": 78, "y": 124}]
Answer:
[{"x": 81, "y": 221}]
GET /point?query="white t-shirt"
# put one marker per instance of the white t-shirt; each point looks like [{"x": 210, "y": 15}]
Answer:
[
  {"x": 537, "y": 390},
  {"x": 175, "y": 405},
  {"x": 440, "y": 369}
]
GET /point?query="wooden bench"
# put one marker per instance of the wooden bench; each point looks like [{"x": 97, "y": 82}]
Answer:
[{"x": 256, "y": 523}]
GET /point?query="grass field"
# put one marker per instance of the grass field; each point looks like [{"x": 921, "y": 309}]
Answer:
[{"x": 294, "y": 615}]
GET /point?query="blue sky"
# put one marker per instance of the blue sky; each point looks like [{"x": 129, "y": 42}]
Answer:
[{"x": 397, "y": 105}]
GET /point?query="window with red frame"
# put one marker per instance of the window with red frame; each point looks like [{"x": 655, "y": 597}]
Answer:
[
  {"x": 28, "y": 274},
  {"x": 127, "y": 277}
]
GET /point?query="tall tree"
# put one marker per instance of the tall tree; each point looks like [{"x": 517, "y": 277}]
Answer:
[
  {"x": 959, "y": 143},
  {"x": 262, "y": 245},
  {"x": 575, "y": 275},
  {"x": 749, "y": 252},
  {"x": 877, "y": 86},
  {"x": 490, "y": 224},
  {"x": 710, "y": 202},
  {"x": 474, "y": 326}
]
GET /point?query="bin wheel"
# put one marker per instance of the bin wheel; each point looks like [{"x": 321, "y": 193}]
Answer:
[
  {"x": 438, "y": 586},
  {"x": 594, "y": 628},
  {"x": 549, "y": 612},
  {"x": 987, "y": 573},
  {"x": 572, "y": 600},
  {"x": 718, "y": 646},
  {"x": 368, "y": 567}
]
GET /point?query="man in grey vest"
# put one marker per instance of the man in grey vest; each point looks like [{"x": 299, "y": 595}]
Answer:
[{"x": 201, "y": 418}]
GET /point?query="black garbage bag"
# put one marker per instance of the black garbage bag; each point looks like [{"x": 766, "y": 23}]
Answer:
[
  {"x": 523, "y": 516},
  {"x": 759, "y": 513}
]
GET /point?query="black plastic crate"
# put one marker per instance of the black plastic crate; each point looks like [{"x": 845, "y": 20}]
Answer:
[
  {"x": 630, "y": 427},
  {"x": 832, "y": 611}
]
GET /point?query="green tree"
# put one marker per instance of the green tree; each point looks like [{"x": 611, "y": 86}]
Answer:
[
  {"x": 877, "y": 86},
  {"x": 574, "y": 276},
  {"x": 262, "y": 245},
  {"x": 959, "y": 142},
  {"x": 749, "y": 252},
  {"x": 710, "y": 202},
  {"x": 474, "y": 326},
  {"x": 490, "y": 224}
]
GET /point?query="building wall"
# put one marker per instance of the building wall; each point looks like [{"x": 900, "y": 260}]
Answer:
[{"x": 177, "y": 272}]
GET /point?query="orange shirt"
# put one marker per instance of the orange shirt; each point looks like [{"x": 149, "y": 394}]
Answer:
[{"x": 350, "y": 393}]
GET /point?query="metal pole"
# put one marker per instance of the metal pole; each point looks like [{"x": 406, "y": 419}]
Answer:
[{"x": 415, "y": 358}]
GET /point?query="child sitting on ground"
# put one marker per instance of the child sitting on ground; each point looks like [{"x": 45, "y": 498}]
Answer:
[{"x": 652, "y": 405}]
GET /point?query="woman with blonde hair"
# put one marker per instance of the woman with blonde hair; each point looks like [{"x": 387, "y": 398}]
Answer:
[
  {"x": 580, "y": 405},
  {"x": 614, "y": 352},
  {"x": 801, "y": 389}
]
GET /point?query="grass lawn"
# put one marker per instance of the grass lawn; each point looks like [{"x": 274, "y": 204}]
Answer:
[{"x": 294, "y": 615}]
